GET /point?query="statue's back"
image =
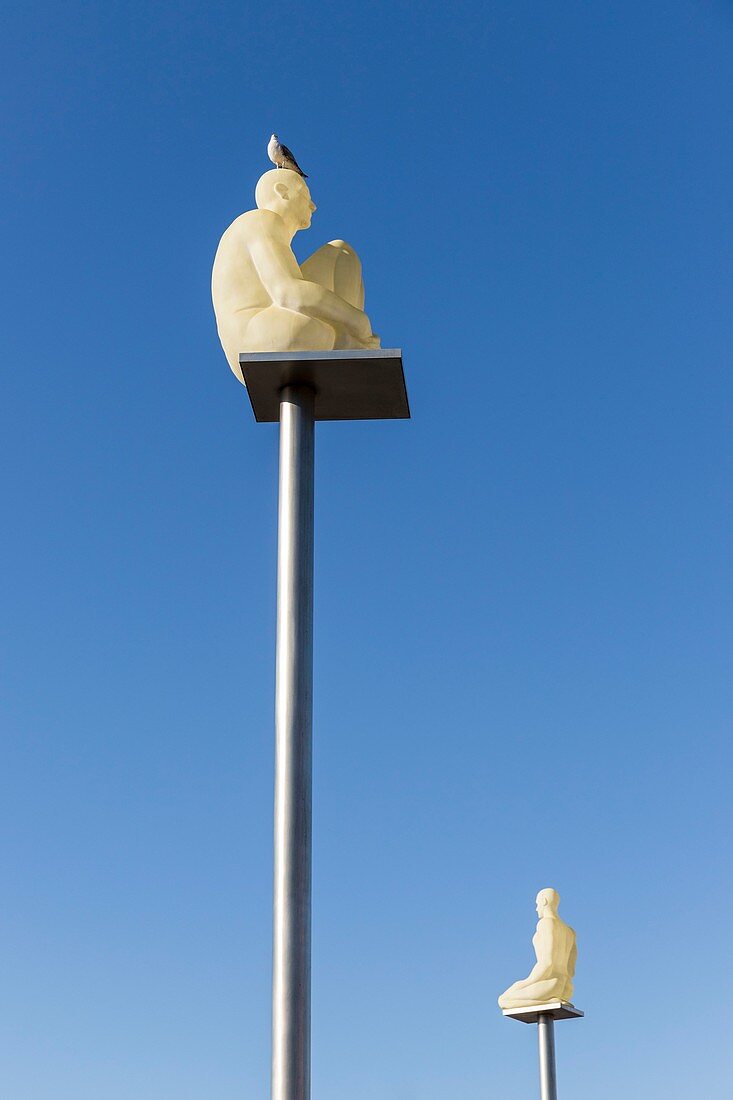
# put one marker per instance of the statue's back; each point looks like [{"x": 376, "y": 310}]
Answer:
[{"x": 568, "y": 951}]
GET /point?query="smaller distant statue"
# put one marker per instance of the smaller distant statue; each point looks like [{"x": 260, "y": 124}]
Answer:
[
  {"x": 263, "y": 299},
  {"x": 551, "y": 978}
]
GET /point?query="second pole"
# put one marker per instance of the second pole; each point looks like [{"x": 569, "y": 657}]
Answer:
[{"x": 548, "y": 1074}]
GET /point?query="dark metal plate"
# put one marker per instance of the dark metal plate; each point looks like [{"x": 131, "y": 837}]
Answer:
[{"x": 349, "y": 385}]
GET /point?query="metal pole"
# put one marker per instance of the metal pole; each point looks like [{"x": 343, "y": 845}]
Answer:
[
  {"x": 548, "y": 1076},
  {"x": 293, "y": 721}
]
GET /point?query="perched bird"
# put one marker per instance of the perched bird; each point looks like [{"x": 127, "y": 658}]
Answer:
[{"x": 282, "y": 157}]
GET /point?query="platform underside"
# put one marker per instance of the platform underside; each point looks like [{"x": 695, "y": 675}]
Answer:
[
  {"x": 348, "y": 385},
  {"x": 558, "y": 1010}
]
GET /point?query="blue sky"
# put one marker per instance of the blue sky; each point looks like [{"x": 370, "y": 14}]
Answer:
[{"x": 524, "y": 595}]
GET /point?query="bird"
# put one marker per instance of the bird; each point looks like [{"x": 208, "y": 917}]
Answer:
[{"x": 281, "y": 156}]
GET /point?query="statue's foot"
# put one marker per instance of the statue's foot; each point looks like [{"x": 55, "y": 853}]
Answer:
[{"x": 539, "y": 993}]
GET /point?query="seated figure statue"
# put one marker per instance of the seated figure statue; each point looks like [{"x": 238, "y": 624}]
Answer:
[
  {"x": 264, "y": 301},
  {"x": 551, "y": 978}
]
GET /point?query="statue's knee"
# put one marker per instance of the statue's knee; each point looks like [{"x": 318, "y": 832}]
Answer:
[
  {"x": 347, "y": 278},
  {"x": 345, "y": 256},
  {"x": 344, "y": 247}
]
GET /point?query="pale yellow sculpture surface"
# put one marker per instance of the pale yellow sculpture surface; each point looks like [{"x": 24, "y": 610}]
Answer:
[
  {"x": 551, "y": 978},
  {"x": 264, "y": 301}
]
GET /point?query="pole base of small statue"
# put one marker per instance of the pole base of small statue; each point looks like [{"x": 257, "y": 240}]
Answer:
[
  {"x": 544, "y": 1016},
  {"x": 348, "y": 385}
]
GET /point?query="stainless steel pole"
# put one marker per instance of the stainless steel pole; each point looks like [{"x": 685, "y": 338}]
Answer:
[
  {"x": 293, "y": 722},
  {"x": 548, "y": 1076}
]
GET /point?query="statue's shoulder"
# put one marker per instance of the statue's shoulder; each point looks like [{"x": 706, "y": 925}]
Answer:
[
  {"x": 254, "y": 221},
  {"x": 244, "y": 233}
]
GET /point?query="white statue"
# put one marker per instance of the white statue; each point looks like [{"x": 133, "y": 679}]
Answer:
[
  {"x": 264, "y": 301},
  {"x": 551, "y": 978}
]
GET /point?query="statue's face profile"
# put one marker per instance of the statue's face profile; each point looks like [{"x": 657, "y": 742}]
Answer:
[
  {"x": 547, "y": 899},
  {"x": 301, "y": 205}
]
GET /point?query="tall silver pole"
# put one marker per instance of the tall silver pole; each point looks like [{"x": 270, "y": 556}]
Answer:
[
  {"x": 548, "y": 1076},
  {"x": 293, "y": 722}
]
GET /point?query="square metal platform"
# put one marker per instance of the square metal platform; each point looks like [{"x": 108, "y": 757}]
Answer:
[
  {"x": 559, "y": 1010},
  {"x": 349, "y": 385}
]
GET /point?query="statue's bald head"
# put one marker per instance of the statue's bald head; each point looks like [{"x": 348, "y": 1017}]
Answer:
[
  {"x": 547, "y": 899},
  {"x": 287, "y": 194}
]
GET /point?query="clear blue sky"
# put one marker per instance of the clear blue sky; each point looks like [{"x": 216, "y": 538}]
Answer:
[{"x": 524, "y": 595}]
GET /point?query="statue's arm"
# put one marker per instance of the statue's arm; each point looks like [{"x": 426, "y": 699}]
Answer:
[
  {"x": 283, "y": 280},
  {"x": 543, "y": 945}
]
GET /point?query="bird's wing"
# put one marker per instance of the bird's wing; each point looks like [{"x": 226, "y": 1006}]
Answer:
[{"x": 287, "y": 153}]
